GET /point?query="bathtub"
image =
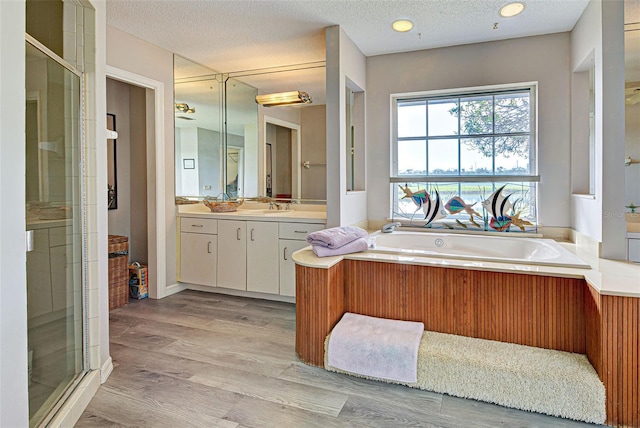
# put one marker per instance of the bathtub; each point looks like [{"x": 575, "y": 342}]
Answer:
[{"x": 502, "y": 249}]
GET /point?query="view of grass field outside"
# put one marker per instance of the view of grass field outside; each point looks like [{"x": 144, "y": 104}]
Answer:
[{"x": 464, "y": 138}]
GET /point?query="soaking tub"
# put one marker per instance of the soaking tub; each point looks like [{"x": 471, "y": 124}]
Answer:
[{"x": 500, "y": 249}]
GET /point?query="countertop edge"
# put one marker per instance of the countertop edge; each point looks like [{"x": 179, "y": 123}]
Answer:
[{"x": 594, "y": 277}]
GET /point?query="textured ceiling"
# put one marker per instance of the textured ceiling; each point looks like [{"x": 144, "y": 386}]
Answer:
[{"x": 249, "y": 34}]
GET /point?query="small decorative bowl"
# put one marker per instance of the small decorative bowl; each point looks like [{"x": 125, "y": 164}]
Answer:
[{"x": 222, "y": 206}]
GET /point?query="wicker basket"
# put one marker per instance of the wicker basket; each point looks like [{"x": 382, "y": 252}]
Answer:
[
  {"x": 223, "y": 206},
  {"x": 118, "y": 271}
]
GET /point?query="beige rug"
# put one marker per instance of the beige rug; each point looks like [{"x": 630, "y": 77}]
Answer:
[{"x": 540, "y": 380}]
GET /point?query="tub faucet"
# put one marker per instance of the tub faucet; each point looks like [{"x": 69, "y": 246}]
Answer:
[{"x": 388, "y": 228}]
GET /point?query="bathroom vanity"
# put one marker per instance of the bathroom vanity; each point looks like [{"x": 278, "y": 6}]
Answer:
[{"x": 246, "y": 251}]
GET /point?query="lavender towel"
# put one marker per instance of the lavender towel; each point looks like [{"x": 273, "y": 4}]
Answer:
[
  {"x": 356, "y": 246},
  {"x": 376, "y": 347},
  {"x": 336, "y": 237}
]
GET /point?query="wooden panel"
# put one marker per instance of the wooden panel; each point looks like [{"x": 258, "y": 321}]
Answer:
[
  {"x": 547, "y": 312},
  {"x": 593, "y": 329},
  {"x": 620, "y": 359},
  {"x": 319, "y": 306},
  {"x": 531, "y": 310}
]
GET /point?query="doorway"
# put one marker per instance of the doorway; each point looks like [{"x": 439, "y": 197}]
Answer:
[
  {"x": 282, "y": 159},
  {"x": 156, "y": 174},
  {"x": 127, "y": 166}
]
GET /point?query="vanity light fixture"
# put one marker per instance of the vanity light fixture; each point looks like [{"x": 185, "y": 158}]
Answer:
[
  {"x": 512, "y": 9},
  {"x": 184, "y": 108},
  {"x": 402, "y": 25},
  {"x": 283, "y": 99}
]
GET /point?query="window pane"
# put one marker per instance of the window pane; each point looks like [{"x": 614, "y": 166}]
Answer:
[
  {"x": 476, "y": 115},
  {"x": 512, "y": 113},
  {"x": 512, "y": 155},
  {"x": 443, "y": 157},
  {"x": 476, "y": 156},
  {"x": 412, "y": 119},
  {"x": 412, "y": 157},
  {"x": 443, "y": 117}
]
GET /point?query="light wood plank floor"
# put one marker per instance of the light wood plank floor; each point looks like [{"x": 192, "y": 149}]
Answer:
[{"x": 210, "y": 360}]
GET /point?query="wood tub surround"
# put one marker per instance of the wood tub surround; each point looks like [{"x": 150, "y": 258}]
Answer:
[{"x": 564, "y": 314}]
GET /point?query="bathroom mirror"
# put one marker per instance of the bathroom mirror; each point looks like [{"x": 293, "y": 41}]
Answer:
[
  {"x": 223, "y": 130},
  {"x": 216, "y": 136},
  {"x": 632, "y": 100},
  {"x": 354, "y": 110}
]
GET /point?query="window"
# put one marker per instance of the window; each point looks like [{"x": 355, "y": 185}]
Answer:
[{"x": 466, "y": 144}]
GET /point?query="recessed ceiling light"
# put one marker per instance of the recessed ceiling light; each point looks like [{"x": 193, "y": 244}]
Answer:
[
  {"x": 402, "y": 25},
  {"x": 511, "y": 9}
]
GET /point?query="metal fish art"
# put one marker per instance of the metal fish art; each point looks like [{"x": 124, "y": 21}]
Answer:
[
  {"x": 433, "y": 209},
  {"x": 501, "y": 223},
  {"x": 498, "y": 205},
  {"x": 418, "y": 198},
  {"x": 456, "y": 205},
  {"x": 520, "y": 223}
]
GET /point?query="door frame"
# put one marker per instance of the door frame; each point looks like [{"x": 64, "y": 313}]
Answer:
[{"x": 156, "y": 189}]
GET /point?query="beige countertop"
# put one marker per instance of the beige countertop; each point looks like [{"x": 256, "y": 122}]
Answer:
[
  {"x": 608, "y": 277},
  {"x": 260, "y": 212}
]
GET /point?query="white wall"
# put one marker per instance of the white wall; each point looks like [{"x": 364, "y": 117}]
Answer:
[
  {"x": 118, "y": 104},
  {"x": 128, "y": 53},
  {"x": 189, "y": 178},
  {"x": 599, "y": 30},
  {"x": 344, "y": 60},
  {"x": 544, "y": 59},
  {"x": 14, "y": 401}
]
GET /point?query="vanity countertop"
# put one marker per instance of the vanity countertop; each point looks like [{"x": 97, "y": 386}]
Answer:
[
  {"x": 608, "y": 277},
  {"x": 260, "y": 212}
]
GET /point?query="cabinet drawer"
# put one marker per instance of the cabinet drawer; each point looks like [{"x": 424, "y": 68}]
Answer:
[
  {"x": 199, "y": 225},
  {"x": 297, "y": 231}
]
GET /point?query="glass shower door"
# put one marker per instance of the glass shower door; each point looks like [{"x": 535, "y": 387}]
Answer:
[{"x": 53, "y": 199}]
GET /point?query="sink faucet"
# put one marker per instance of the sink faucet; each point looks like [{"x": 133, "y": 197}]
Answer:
[
  {"x": 274, "y": 204},
  {"x": 388, "y": 228}
]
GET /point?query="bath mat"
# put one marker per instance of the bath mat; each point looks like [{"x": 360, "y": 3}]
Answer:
[
  {"x": 376, "y": 347},
  {"x": 522, "y": 377}
]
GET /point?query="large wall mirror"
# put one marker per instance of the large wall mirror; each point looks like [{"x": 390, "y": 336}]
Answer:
[
  {"x": 228, "y": 145},
  {"x": 216, "y": 133}
]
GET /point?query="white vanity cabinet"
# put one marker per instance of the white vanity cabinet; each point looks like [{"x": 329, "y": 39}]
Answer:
[
  {"x": 292, "y": 238},
  {"x": 248, "y": 255},
  {"x": 262, "y": 257},
  {"x": 232, "y": 254},
  {"x": 198, "y": 250},
  {"x": 241, "y": 253}
]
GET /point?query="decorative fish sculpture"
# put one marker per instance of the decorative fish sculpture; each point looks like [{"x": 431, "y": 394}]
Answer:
[
  {"x": 418, "y": 198},
  {"x": 498, "y": 205},
  {"x": 456, "y": 205},
  {"x": 501, "y": 223},
  {"x": 433, "y": 209},
  {"x": 520, "y": 223}
]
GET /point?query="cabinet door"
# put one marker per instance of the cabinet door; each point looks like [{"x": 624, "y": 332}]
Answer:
[
  {"x": 288, "y": 266},
  {"x": 198, "y": 258},
  {"x": 262, "y": 257},
  {"x": 232, "y": 254}
]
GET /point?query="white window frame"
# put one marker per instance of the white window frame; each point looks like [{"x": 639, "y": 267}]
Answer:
[{"x": 461, "y": 92}]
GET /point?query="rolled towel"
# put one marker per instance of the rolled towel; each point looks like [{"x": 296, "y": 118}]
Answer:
[
  {"x": 336, "y": 237},
  {"x": 356, "y": 246}
]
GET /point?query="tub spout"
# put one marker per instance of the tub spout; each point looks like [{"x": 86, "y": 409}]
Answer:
[{"x": 389, "y": 227}]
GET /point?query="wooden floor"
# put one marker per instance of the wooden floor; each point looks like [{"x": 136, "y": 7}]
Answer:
[{"x": 210, "y": 360}]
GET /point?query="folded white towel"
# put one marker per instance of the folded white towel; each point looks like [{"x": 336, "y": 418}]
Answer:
[
  {"x": 376, "y": 347},
  {"x": 336, "y": 237},
  {"x": 356, "y": 246}
]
